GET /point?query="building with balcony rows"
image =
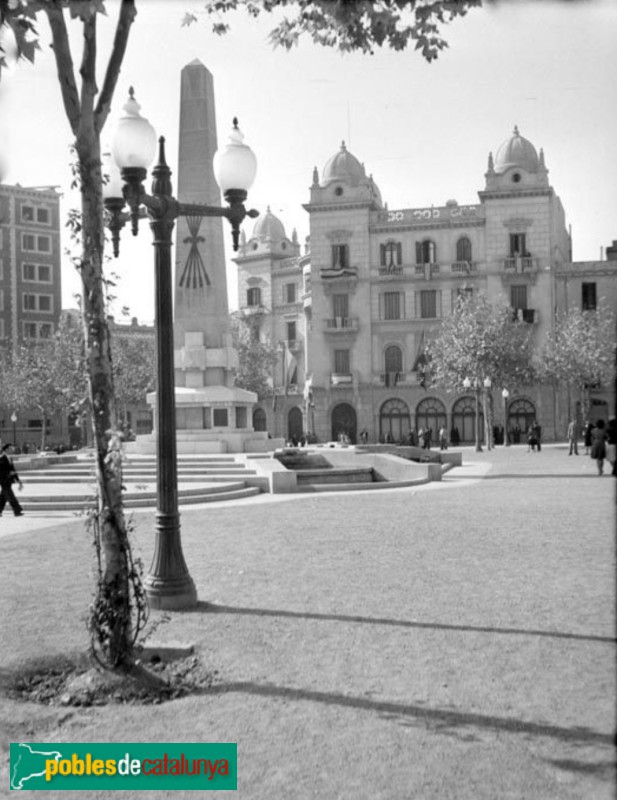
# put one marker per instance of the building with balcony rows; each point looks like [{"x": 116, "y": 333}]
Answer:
[{"x": 351, "y": 317}]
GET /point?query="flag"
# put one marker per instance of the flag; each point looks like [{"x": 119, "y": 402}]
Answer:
[{"x": 291, "y": 368}]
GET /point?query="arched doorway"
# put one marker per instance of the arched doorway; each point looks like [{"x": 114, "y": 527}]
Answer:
[
  {"x": 393, "y": 363},
  {"x": 259, "y": 420},
  {"x": 394, "y": 420},
  {"x": 464, "y": 421},
  {"x": 521, "y": 414},
  {"x": 294, "y": 425},
  {"x": 431, "y": 413},
  {"x": 344, "y": 420}
]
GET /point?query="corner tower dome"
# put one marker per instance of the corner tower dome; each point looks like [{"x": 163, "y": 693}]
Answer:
[
  {"x": 516, "y": 152},
  {"x": 269, "y": 228},
  {"x": 343, "y": 166}
]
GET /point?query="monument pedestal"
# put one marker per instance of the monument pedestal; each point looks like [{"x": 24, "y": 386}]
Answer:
[{"x": 210, "y": 419}]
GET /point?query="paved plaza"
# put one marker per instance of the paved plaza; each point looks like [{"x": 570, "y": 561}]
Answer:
[{"x": 454, "y": 640}]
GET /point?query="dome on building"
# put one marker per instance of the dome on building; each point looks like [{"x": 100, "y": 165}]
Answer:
[
  {"x": 343, "y": 166},
  {"x": 516, "y": 152},
  {"x": 269, "y": 228}
]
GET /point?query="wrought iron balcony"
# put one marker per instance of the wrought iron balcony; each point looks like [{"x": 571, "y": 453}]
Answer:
[{"x": 341, "y": 325}]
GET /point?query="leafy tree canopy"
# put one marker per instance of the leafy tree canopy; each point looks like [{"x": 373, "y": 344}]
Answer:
[
  {"x": 257, "y": 359},
  {"x": 351, "y": 26},
  {"x": 479, "y": 340}
]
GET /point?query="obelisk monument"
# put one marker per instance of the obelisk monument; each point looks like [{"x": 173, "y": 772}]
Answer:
[{"x": 201, "y": 308}]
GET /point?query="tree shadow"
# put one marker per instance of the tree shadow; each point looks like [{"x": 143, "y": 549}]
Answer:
[
  {"x": 601, "y": 769},
  {"x": 213, "y": 608},
  {"x": 439, "y": 719}
]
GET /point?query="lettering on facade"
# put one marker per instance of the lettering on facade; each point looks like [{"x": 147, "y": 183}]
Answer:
[{"x": 427, "y": 214}]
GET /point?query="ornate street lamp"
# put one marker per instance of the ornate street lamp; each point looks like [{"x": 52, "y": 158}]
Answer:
[
  {"x": 14, "y": 420},
  {"x": 168, "y": 584},
  {"x": 505, "y": 394},
  {"x": 487, "y": 416},
  {"x": 476, "y": 385}
]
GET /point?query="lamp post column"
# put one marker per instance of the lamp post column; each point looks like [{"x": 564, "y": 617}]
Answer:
[
  {"x": 168, "y": 584},
  {"x": 478, "y": 445},
  {"x": 506, "y": 440}
]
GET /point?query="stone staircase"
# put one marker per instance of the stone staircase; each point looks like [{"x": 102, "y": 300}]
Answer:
[{"x": 67, "y": 483}]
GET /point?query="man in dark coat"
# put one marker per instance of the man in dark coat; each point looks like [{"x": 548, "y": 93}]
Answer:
[{"x": 8, "y": 476}]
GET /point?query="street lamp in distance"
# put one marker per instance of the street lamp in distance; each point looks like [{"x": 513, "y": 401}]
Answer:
[
  {"x": 505, "y": 394},
  {"x": 467, "y": 383},
  {"x": 168, "y": 584},
  {"x": 14, "y": 420}
]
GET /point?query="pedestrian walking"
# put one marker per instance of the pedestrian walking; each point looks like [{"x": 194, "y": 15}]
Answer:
[
  {"x": 598, "y": 445},
  {"x": 9, "y": 476},
  {"x": 533, "y": 437},
  {"x": 573, "y": 437},
  {"x": 587, "y": 436},
  {"x": 611, "y": 444},
  {"x": 443, "y": 438}
]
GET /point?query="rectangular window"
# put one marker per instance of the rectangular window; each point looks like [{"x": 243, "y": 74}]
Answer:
[
  {"x": 44, "y": 273},
  {"x": 392, "y": 305},
  {"x": 219, "y": 417},
  {"x": 42, "y": 216},
  {"x": 29, "y": 329},
  {"x": 340, "y": 305},
  {"x": 241, "y": 417},
  {"x": 589, "y": 301},
  {"x": 29, "y": 302},
  {"x": 45, "y": 330},
  {"x": 1, "y": 262},
  {"x": 45, "y": 302},
  {"x": 290, "y": 293},
  {"x": 1, "y": 299},
  {"x": 428, "y": 303},
  {"x": 35, "y": 244},
  {"x": 341, "y": 362},
  {"x": 517, "y": 244},
  {"x": 518, "y": 296},
  {"x": 30, "y": 214},
  {"x": 27, "y": 214},
  {"x": 340, "y": 256},
  {"x": 291, "y": 332},
  {"x": 28, "y": 272}
]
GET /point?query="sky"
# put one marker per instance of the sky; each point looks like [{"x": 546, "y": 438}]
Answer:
[{"x": 424, "y": 131}]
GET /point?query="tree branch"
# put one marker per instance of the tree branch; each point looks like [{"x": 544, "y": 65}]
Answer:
[
  {"x": 64, "y": 64},
  {"x": 88, "y": 71},
  {"x": 125, "y": 20}
]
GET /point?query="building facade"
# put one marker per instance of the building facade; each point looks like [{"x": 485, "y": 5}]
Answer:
[
  {"x": 352, "y": 317},
  {"x": 30, "y": 282}
]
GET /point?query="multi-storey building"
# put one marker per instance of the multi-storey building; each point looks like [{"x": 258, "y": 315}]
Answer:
[
  {"x": 30, "y": 278},
  {"x": 30, "y": 253},
  {"x": 378, "y": 282}
]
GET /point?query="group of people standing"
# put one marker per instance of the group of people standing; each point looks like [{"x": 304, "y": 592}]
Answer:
[{"x": 599, "y": 440}]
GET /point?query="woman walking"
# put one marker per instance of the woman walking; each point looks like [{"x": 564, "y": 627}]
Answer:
[{"x": 598, "y": 445}]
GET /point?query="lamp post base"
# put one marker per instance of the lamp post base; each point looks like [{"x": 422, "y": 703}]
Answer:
[
  {"x": 168, "y": 584},
  {"x": 168, "y": 595}
]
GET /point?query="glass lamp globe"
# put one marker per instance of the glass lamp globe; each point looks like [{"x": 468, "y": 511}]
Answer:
[
  {"x": 235, "y": 165},
  {"x": 112, "y": 179},
  {"x": 487, "y": 383},
  {"x": 505, "y": 394},
  {"x": 134, "y": 143},
  {"x": 467, "y": 383}
]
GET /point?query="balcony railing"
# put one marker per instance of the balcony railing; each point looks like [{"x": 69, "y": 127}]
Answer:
[
  {"x": 463, "y": 267},
  {"x": 519, "y": 263},
  {"x": 529, "y": 315},
  {"x": 390, "y": 272},
  {"x": 341, "y": 325},
  {"x": 426, "y": 270},
  {"x": 341, "y": 379},
  {"x": 392, "y": 379}
]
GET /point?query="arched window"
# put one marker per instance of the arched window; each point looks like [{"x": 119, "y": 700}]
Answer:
[
  {"x": 394, "y": 421},
  {"x": 431, "y": 413},
  {"x": 253, "y": 296},
  {"x": 294, "y": 425},
  {"x": 521, "y": 413},
  {"x": 426, "y": 252},
  {"x": 391, "y": 254},
  {"x": 259, "y": 420},
  {"x": 463, "y": 249},
  {"x": 393, "y": 359},
  {"x": 464, "y": 421},
  {"x": 344, "y": 421}
]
